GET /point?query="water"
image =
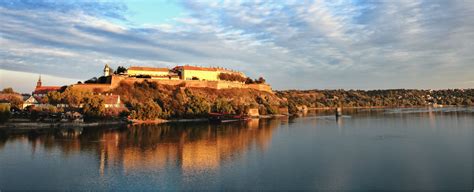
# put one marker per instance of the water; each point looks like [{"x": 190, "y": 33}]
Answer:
[{"x": 380, "y": 149}]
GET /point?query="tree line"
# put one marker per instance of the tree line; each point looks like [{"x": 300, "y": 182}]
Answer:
[{"x": 378, "y": 98}]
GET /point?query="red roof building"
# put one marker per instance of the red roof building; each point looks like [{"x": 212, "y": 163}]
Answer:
[{"x": 41, "y": 91}]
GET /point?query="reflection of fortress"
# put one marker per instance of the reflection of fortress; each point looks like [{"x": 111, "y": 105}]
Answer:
[
  {"x": 192, "y": 149},
  {"x": 189, "y": 147}
]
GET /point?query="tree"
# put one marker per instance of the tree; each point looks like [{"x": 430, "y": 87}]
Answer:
[
  {"x": 4, "y": 112},
  {"x": 8, "y": 90},
  {"x": 260, "y": 80},
  {"x": 54, "y": 97},
  {"x": 120, "y": 70},
  {"x": 196, "y": 106},
  {"x": 222, "y": 106},
  {"x": 249, "y": 81},
  {"x": 93, "y": 106},
  {"x": 91, "y": 80},
  {"x": 146, "y": 111},
  {"x": 73, "y": 97}
]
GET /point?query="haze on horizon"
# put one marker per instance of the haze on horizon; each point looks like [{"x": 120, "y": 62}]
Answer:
[{"x": 294, "y": 44}]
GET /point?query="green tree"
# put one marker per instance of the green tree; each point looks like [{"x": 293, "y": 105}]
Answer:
[
  {"x": 196, "y": 106},
  {"x": 8, "y": 90},
  {"x": 4, "y": 112},
  {"x": 54, "y": 97},
  {"x": 222, "y": 106},
  {"x": 74, "y": 97},
  {"x": 93, "y": 106},
  {"x": 120, "y": 70}
]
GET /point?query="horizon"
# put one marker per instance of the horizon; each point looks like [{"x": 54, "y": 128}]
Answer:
[
  {"x": 294, "y": 45},
  {"x": 30, "y": 82}
]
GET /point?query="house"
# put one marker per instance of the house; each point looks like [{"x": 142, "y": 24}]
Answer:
[
  {"x": 30, "y": 101},
  {"x": 42, "y": 91},
  {"x": 112, "y": 101}
]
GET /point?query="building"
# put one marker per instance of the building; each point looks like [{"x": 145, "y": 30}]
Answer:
[
  {"x": 107, "y": 70},
  {"x": 112, "y": 101},
  {"x": 187, "y": 72},
  {"x": 30, "y": 101},
  {"x": 41, "y": 91},
  {"x": 148, "y": 71}
]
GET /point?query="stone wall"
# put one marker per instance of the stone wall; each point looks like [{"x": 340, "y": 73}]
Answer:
[{"x": 93, "y": 87}]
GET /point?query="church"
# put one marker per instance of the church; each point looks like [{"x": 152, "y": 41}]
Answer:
[{"x": 41, "y": 91}]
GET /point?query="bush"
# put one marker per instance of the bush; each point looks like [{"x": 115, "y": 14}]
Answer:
[
  {"x": 231, "y": 77},
  {"x": 146, "y": 111},
  {"x": 4, "y": 113}
]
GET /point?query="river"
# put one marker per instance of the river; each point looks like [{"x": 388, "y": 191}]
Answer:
[{"x": 366, "y": 149}]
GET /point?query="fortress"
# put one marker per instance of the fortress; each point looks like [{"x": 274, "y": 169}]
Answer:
[{"x": 185, "y": 76}]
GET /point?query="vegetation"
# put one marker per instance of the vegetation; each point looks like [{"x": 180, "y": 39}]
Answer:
[
  {"x": 92, "y": 106},
  {"x": 149, "y": 100},
  {"x": 8, "y": 95},
  {"x": 376, "y": 98},
  {"x": 120, "y": 70},
  {"x": 101, "y": 79},
  {"x": 260, "y": 80},
  {"x": 231, "y": 77},
  {"x": 8, "y": 90},
  {"x": 4, "y": 112}
]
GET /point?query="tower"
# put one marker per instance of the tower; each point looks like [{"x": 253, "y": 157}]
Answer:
[
  {"x": 106, "y": 70},
  {"x": 38, "y": 84}
]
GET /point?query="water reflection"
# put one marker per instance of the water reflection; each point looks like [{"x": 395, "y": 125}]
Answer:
[
  {"x": 193, "y": 147},
  {"x": 365, "y": 149}
]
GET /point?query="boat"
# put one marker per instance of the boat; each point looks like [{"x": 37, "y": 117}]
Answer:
[{"x": 225, "y": 117}]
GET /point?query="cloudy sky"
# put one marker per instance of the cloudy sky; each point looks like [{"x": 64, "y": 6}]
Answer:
[{"x": 351, "y": 44}]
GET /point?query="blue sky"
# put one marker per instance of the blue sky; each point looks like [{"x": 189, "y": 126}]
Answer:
[{"x": 293, "y": 44}]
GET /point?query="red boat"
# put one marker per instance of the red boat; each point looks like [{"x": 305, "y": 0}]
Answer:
[{"x": 225, "y": 117}]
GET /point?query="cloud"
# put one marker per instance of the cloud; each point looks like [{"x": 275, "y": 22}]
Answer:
[{"x": 294, "y": 44}]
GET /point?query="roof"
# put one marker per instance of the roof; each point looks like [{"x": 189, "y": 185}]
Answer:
[
  {"x": 31, "y": 100},
  {"x": 111, "y": 99},
  {"x": 148, "y": 69},
  {"x": 195, "y": 68},
  {"x": 46, "y": 89}
]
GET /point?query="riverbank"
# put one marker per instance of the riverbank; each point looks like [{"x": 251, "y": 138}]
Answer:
[
  {"x": 36, "y": 125},
  {"x": 24, "y": 126},
  {"x": 385, "y": 107}
]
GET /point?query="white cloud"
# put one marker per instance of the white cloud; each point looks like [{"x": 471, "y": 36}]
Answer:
[{"x": 295, "y": 44}]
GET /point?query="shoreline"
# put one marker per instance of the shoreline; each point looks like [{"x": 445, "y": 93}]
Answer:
[
  {"x": 385, "y": 107},
  {"x": 28, "y": 125},
  {"x": 45, "y": 125}
]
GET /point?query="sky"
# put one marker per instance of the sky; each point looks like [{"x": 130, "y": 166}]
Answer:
[{"x": 294, "y": 44}]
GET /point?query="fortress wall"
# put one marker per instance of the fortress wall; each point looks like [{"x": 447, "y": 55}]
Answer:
[
  {"x": 94, "y": 87},
  {"x": 228, "y": 85},
  {"x": 260, "y": 87}
]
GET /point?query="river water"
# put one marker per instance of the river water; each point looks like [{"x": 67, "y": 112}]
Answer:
[{"x": 378, "y": 149}]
